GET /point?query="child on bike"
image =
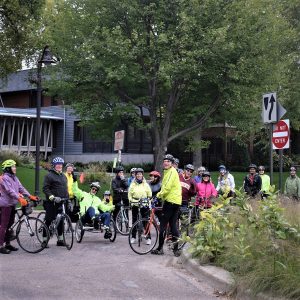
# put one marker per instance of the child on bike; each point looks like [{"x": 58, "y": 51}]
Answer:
[
  {"x": 92, "y": 209},
  {"x": 139, "y": 189},
  {"x": 10, "y": 190},
  {"x": 205, "y": 191}
]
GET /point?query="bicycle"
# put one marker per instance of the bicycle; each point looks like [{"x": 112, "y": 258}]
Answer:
[
  {"x": 29, "y": 230},
  {"x": 81, "y": 228},
  {"x": 68, "y": 233},
  {"x": 122, "y": 219},
  {"x": 144, "y": 228}
]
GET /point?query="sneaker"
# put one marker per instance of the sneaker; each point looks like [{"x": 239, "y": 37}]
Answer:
[
  {"x": 105, "y": 227},
  {"x": 177, "y": 253},
  {"x": 3, "y": 250},
  {"x": 148, "y": 242},
  {"x": 60, "y": 243},
  {"x": 11, "y": 248},
  {"x": 157, "y": 252},
  {"x": 132, "y": 241},
  {"x": 107, "y": 234}
]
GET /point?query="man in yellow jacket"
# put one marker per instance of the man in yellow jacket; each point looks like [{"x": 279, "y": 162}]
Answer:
[{"x": 170, "y": 194}]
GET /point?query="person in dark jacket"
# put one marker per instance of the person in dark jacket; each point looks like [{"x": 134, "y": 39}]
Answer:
[
  {"x": 55, "y": 188},
  {"x": 188, "y": 185},
  {"x": 252, "y": 182},
  {"x": 120, "y": 190}
]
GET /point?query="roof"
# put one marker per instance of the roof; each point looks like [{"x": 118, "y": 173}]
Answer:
[
  {"x": 18, "y": 81},
  {"x": 30, "y": 113}
]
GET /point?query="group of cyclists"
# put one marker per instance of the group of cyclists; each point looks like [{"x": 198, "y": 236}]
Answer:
[{"x": 173, "y": 191}]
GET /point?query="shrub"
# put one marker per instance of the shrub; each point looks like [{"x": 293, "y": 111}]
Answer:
[{"x": 96, "y": 172}]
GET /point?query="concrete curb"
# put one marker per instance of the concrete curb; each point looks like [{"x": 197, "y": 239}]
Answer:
[{"x": 221, "y": 279}]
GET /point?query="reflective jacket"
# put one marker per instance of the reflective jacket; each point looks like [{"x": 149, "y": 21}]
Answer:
[
  {"x": 292, "y": 186},
  {"x": 138, "y": 191},
  {"x": 265, "y": 183},
  {"x": 70, "y": 184},
  {"x": 87, "y": 200},
  {"x": 170, "y": 187},
  {"x": 10, "y": 188}
]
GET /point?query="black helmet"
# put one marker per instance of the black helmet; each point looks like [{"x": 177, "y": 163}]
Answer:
[
  {"x": 169, "y": 157},
  {"x": 189, "y": 167},
  {"x": 119, "y": 169},
  {"x": 254, "y": 166},
  {"x": 176, "y": 161},
  {"x": 261, "y": 168},
  {"x": 205, "y": 174},
  {"x": 139, "y": 170},
  {"x": 221, "y": 167},
  {"x": 96, "y": 185}
]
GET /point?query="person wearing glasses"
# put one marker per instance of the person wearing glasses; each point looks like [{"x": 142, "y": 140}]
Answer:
[
  {"x": 92, "y": 209},
  {"x": 292, "y": 185}
]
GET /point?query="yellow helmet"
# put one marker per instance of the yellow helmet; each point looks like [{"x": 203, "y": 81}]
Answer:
[{"x": 8, "y": 163}]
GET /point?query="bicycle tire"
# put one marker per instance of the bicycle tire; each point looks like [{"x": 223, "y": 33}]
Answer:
[
  {"x": 30, "y": 235},
  {"x": 68, "y": 234},
  {"x": 140, "y": 246},
  {"x": 113, "y": 230},
  {"x": 79, "y": 231},
  {"x": 122, "y": 222},
  {"x": 41, "y": 216}
]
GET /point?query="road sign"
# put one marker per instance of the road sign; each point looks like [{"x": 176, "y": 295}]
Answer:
[
  {"x": 281, "y": 135},
  {"x": 119, "y": 140},
  {"x": 281, "y": 111},
  {"x": 269, "y": 109}
]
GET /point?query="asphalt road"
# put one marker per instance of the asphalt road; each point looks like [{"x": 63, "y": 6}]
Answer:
[{"x": 97, "y": 269}]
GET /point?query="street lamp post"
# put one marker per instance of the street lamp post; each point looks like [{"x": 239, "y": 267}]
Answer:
[{"x": 46, "y": 59}]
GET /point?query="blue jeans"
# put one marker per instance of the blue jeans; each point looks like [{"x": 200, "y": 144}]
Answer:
[{"x": 91, "y": 214}]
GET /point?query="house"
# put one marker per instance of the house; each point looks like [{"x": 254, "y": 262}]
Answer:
[{"x": 61, "y": 133}]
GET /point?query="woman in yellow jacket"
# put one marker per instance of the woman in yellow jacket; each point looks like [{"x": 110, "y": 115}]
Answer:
[
  {"x": 170, "y": 194},
  {"x": 139, "y": 188}
]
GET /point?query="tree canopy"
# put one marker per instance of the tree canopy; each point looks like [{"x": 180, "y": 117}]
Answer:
[
  {"x": 185, "y": 60},
  {"x": 19, "y": 29}
]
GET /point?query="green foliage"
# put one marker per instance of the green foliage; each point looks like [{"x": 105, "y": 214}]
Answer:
[
  {"x": 20, "y": 159},
  {"x": 96, "y": 172},
  {"x": 19, "y": 32},
  {"x": 257, "y": 243}
]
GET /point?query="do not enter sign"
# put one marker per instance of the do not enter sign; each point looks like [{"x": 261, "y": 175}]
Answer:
[{"x": 281, "y": 135}]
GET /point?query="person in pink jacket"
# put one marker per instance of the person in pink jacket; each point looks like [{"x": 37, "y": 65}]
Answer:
[{"x": 205, "y": 191}]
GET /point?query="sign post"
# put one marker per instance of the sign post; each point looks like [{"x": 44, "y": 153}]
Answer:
[
  {"x": 280, "y": 141},
  {"x": 119, "y": 144}
]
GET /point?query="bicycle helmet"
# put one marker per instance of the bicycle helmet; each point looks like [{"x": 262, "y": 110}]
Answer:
[
  {"x": 155, "y": 173},
  {"x": 293, "y": 168},
  {"x": 106, "y": 193},
  {"x": 261, "y": 168},
  {"x": 221, "y": 167},
  {"x": 96, "y": 185},
  {"x": 132, "y": 170},
  {"x": 57, "y": 161},
  {"x": 252, "y": 166},
  {"x": 189, "y": 167},
  {"x": 176, "y": 161},
  {"x": 119, "y": 169},
  {"x": 69, "y": 165},
  {"x": 8, "y": 164},
  {"x": 206, "y": 174},
  {"x": 139, "y": 170},
  {"x": 169, "y": 157},
  {"x": 201, "y": 169}
]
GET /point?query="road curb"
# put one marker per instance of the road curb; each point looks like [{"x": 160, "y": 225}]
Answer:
[{"x": 220, "y": 278}]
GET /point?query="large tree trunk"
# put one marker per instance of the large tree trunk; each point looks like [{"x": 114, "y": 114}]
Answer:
[{"x": 197, "y": 155}]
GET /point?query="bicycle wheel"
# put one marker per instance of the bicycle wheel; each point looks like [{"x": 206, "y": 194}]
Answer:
[
  {"x": 112, "y": 230},
  {"x": 79, "y": 231},
  {"x": 143, "y": 236},
  {"x": 41, "y": 216},
  {"x": 122, "y": 221},
  {"x": 68, "y": 235},
  {"x": 30, "y": 235}
]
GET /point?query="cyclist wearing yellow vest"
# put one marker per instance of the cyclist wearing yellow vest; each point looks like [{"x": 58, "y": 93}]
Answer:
[
  {"x": 265, "y": 182},
  {"x": 170, "y": 194}
]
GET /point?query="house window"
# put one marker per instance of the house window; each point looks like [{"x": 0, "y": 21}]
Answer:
[{"x": 77, "y": 132}]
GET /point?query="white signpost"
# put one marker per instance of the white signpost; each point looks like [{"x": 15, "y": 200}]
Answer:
[{"x": 269, "y": 104}]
